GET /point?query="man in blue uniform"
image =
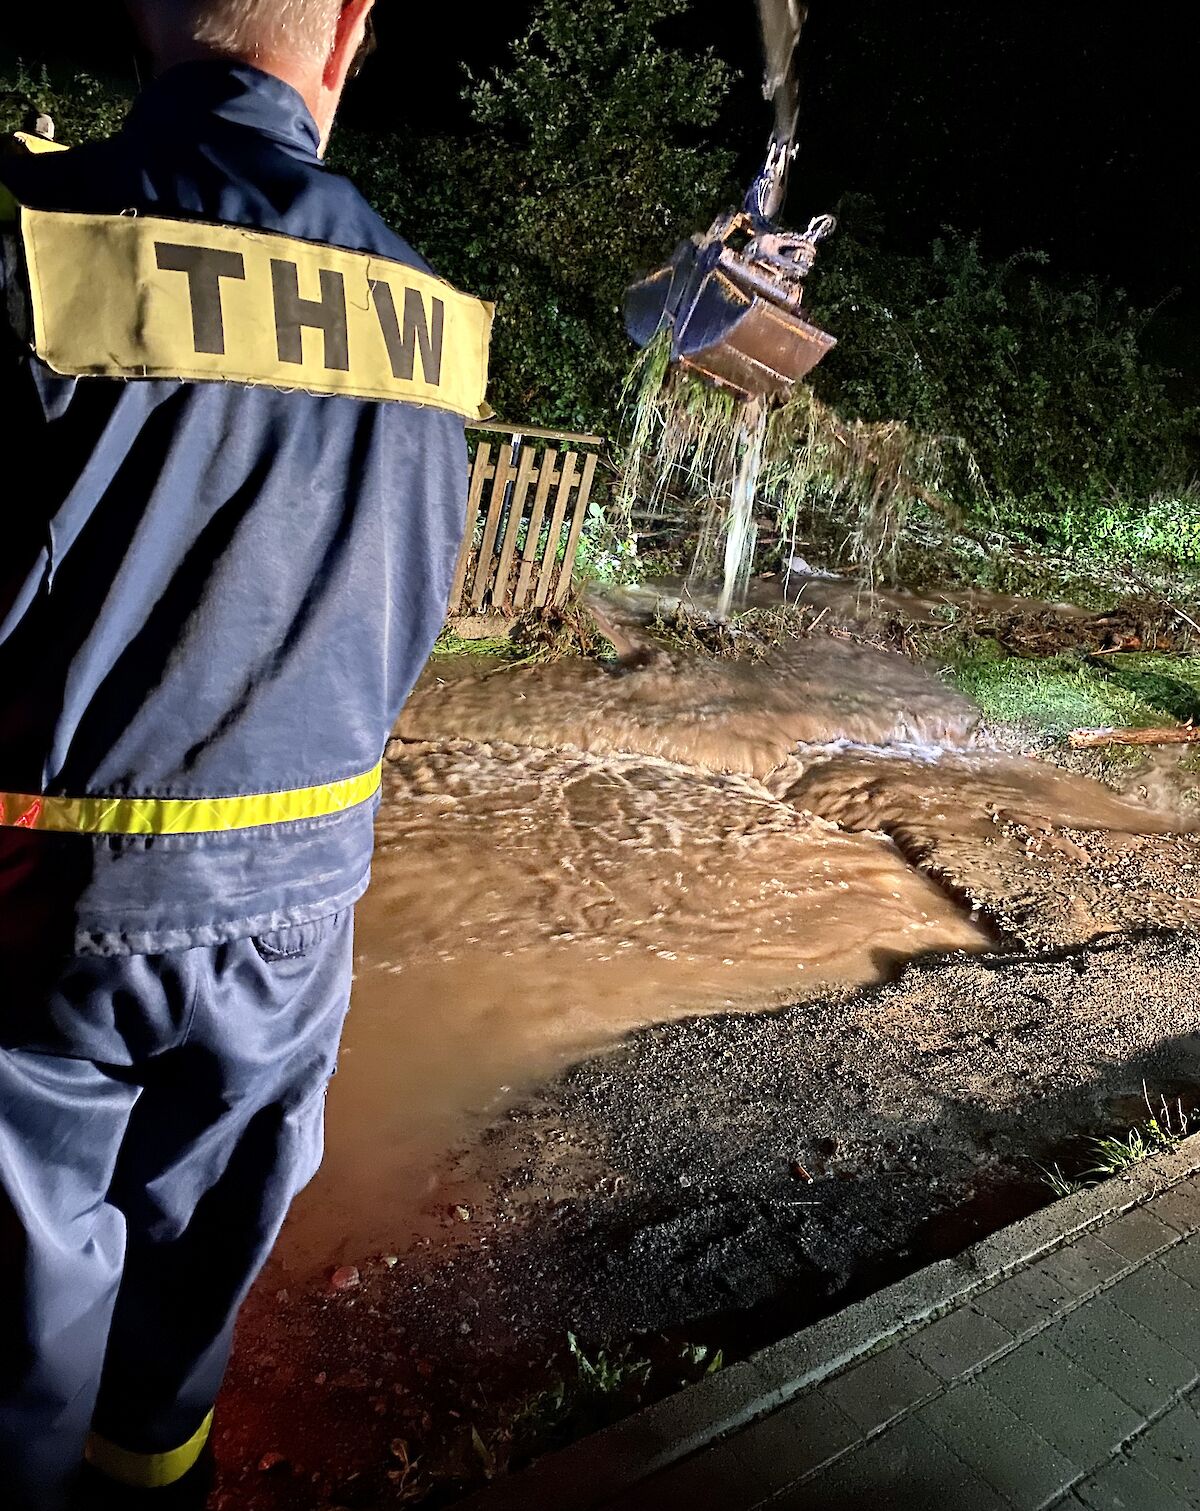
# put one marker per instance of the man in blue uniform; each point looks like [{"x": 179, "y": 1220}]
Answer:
[{"x": 239, "y": 404}]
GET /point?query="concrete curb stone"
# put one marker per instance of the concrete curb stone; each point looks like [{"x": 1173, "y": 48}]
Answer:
[{"x": 592, "y": 1471}]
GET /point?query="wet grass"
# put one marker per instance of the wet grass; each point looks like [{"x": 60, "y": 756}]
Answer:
[
  {"x": 1052, "y": 695},
  {"x": 543, "y": 635},
  {"x": 1170, "y": 684},
  {"x": 1040, "y": 673},
  {"x": 501, "y": 647}
]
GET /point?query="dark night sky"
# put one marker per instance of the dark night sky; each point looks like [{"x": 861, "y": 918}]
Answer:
[{"x": 1058, "y": 124}]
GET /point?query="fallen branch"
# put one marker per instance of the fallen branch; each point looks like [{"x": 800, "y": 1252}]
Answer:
[
  {"x": 1098, "y": 739},
  {"x": 1187, "y": 618}
]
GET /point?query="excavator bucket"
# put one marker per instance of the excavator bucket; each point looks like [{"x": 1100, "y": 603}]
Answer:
[
  {"x": 732, "y": 319},
  {"x": 731, "y": 298}
]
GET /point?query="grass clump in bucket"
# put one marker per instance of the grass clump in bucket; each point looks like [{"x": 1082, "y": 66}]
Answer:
[{"x": 818, "y": 471}]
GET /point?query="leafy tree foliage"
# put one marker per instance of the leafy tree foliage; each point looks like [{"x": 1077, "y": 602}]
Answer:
[
  {"x": 588, "y": 160},
  {"x": 1047, "y": 385}
]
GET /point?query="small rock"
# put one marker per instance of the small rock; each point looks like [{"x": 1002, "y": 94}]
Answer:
[
  {"x": 272, "y": 1463},
  {"x": 391, "y": 1260},
  {"x": 345, "y": 1279},
  {"x": 463, "y": 1213}
]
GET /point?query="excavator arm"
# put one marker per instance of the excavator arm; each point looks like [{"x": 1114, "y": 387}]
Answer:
[
  {"x": 731, "y": 297},
  {"x": 781, "y": 22}
]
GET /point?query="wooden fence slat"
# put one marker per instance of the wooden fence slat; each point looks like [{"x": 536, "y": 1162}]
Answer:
[
  {"x": 483, "y": 568},
  {"x": 581, "y": 507},
  {"x": 570, "y": 468},
  {"x": 548, "y": 477},
  {"x": 526, "y": 473},
  {"x": 537, "y": 432},
  {"x": 480, "y": 472}
]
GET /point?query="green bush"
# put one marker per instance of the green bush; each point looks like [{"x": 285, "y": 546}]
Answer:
[
  {"x": 84, "y": 108},
  {"x": 1073, "y": 429},
  {"x": 1162, "y": 528}
]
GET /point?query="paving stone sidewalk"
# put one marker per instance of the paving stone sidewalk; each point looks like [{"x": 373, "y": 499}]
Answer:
[
  {"x": 1073, "y": 1383},
  {"x": 1069, "y": 1377}
]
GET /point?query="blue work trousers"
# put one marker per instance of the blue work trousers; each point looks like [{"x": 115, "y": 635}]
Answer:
[{"x": 158, "y": 1114}]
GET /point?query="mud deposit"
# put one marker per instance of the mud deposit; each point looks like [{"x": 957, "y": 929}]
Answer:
[{"x": 571, "y": 1098}]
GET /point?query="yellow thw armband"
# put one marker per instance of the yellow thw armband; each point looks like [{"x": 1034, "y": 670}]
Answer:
[{"x": 125, "y": 296}]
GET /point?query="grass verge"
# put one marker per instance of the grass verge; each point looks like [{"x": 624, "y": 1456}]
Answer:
[{"x": 1052, "y": 695}]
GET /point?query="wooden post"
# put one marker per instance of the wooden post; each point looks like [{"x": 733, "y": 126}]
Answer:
[
  {"x": 526, "y": 474},
  {"x": 481, "y": 471},
  {"x": 548, "y": 477},
  {"x": 1098, "y": 739},
  {"x": 569, "y": 473},
  {"x": 581, "y": 506},
  {"x": 483, "y": 568}
]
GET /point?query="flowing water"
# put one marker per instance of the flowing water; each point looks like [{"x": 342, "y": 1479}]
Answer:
[
  {"x": 953, "y": 794},
  {"x": 718, "y": 716},
  {"x": 846, "y": 600},
  {"x": 740, "y": 529},
  {"x": 568, "y": 852},
  {"x": 529, "y": 907}
]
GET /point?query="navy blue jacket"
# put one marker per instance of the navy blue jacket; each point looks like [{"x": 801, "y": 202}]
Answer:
[{"x": 208, "y": 589}]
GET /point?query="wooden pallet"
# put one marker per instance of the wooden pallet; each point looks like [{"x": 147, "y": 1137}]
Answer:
[{"x": 526, "y": 505}]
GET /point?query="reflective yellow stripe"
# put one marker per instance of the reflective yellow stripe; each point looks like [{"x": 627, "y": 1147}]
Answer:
[
  {"x": 204, "y": 815},
  {"x": 147, "y": 1471},
  {"x": 31, "y": 142}
]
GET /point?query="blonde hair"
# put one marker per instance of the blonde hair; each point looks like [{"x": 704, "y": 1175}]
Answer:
[{"x": 298, "y": 27}]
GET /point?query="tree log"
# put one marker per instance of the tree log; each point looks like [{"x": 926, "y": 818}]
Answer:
[{"x": 1097, "y": 739}]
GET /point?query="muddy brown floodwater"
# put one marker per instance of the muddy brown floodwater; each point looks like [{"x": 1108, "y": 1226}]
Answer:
[
  {"x": 568, "y": 852},
  {"x": 723, "y": 716}
]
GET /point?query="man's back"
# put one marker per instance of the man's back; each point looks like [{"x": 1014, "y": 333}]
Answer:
[
  {"x": 216, "y": 590},
  {"x": 228, "y": 558}
]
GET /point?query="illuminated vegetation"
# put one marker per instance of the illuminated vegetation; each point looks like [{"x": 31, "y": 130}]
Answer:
[{"x": 1027, "y": 407}]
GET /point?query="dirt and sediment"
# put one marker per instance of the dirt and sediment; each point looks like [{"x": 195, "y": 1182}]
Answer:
[{"x": 693, "y": 999}]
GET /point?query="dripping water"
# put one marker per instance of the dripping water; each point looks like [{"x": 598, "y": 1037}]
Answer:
[{"x": 741, "y": 533}]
